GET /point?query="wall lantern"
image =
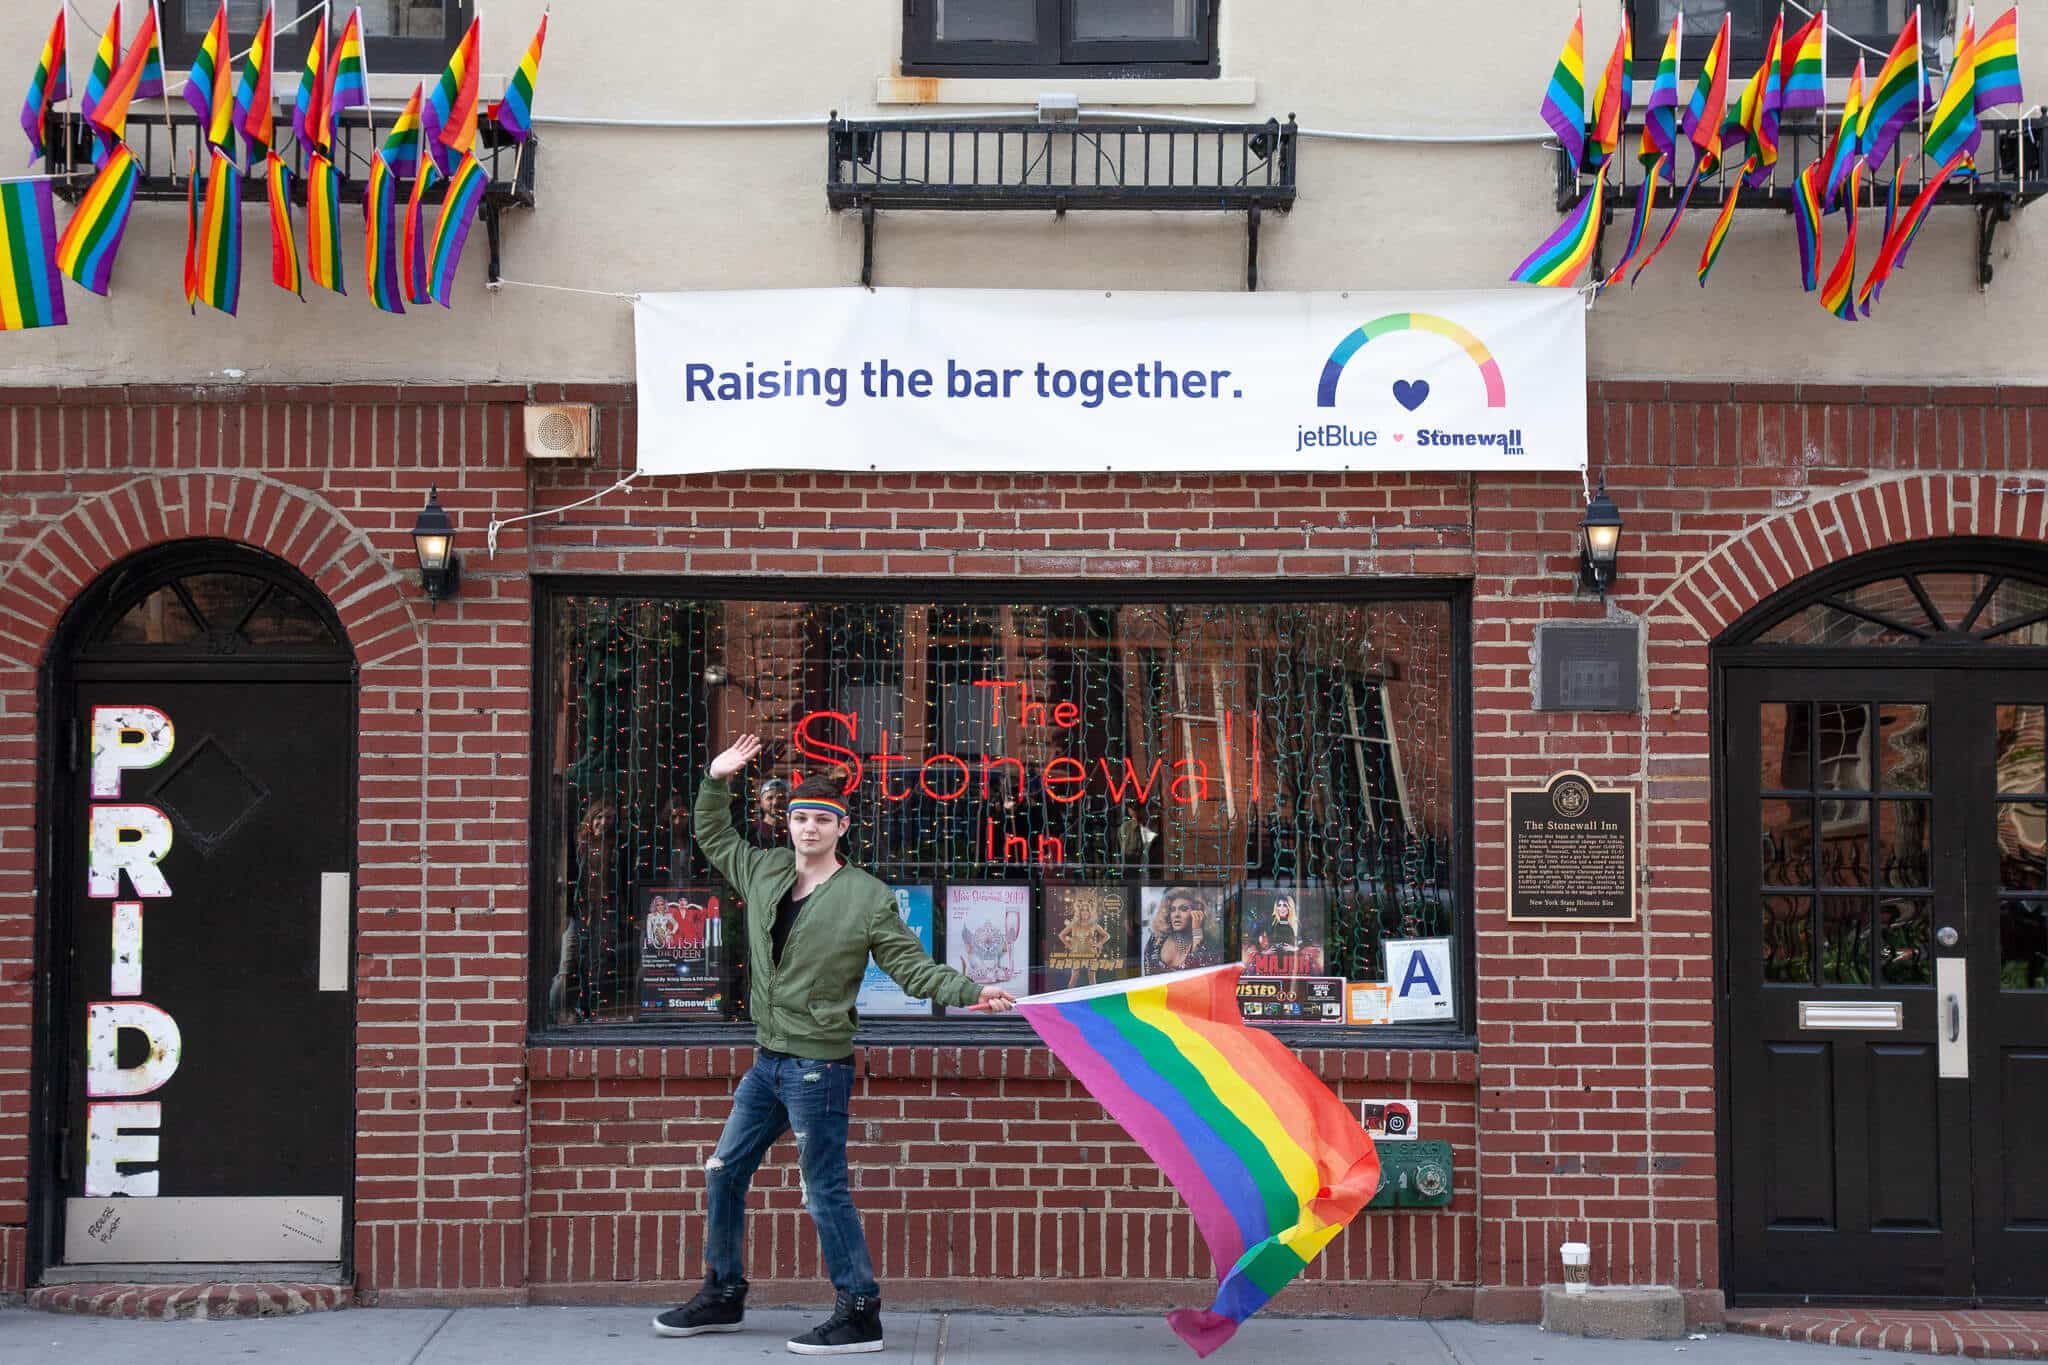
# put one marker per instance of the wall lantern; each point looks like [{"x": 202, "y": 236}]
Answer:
[
  {"x": 1602, "y": 526},
  {"x": 433, "y": 542}
]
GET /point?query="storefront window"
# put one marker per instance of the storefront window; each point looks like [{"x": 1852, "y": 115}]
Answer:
[{"x": 1061, "y": 792}]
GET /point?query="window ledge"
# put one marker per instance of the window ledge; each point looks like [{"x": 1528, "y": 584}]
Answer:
[{"x": 1090, "y": 90}]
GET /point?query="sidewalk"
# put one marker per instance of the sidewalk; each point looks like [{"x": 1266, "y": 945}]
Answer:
[{"x": 620, "y": 1336}]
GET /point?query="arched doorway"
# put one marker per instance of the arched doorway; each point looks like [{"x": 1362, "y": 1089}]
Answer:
[
  {"x": 197, "y": 1046},
  {"x": 1882, "y": 846}
]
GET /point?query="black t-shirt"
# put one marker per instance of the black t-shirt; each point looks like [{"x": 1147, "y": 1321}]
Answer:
[{"x": 785, "y": 918}]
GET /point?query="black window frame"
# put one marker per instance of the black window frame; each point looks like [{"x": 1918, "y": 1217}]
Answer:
[
  {"x": 1649, "y": 29},
  {"x": 1059, "y": 54},
  {"x": 1459, "y": 1033},
  {"x": 385, "y": 56}
]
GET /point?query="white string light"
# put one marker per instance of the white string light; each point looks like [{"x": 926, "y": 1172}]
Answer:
[{"x": 499, "y": 524}]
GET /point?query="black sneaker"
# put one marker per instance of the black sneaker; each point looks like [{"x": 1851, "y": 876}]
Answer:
[
  {"x": 854, "y": 1327},
  {"x": 716, "y": 1308}
]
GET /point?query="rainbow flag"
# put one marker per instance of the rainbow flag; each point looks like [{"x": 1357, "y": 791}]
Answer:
[
  {"x": 453, "y": 97},
  {"x": 1564, "y": 101},
  {"x": 31, "y": 294},
  {"x": 309, "y": 117},
  {"x": 51, "y": 85},
  {"x": 1717, "y": 237},
  {"x": 1838, "y": 293},
  {"x": 1709, "y": 102},
  {"x": 1806, "y": 220},
  {"x": 381, "y": 238},
  {"x": 1757, "y": 111},
  {"x": 1271, "y": 1164},
  {"x": 1893, "y": 98},
  {"x": 1660, "y": 115},
  {"x": 515, "y": 111},
  {"x": 1565, "y": 252},
  {"x": 1644, "y": 198},
  {"x": 1677, "y": 212},
  {"x": 208, "y": 78},
  {"x": 252, "y": 88},
  {"x": 346, "y": 76},
  {"x": 1902, "y": 233},
  {"x": 143, "y": 63},
  {"x": 104, "y": 59},
  {"x": 402, "y": 148},
  {"x": 195, "y": 195},
  {"x": 219, "y": 272},
  {"x": 458, "y": 211},
  {"x": 92, "y": 238},
  {"x": 1803, "y": 68},
  {"x": 285, "y": 271},
  {"x": 413, "y": 238},
  {"x": 323, "y": 224},
  {"x": 436, "y": 151},
  {"x": 1998, "y": 63},
  {"x": 1610, "y": 101},
  {"x": 1842, "y": 152},
  {"x": 1952, "y": 127}
]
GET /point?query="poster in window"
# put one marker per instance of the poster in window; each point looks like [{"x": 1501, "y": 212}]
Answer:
[
  {"x": 1280, "y": 931},
  {"x": 988, "y": 935},
  {"x": 1087, "y": 936},
  {"x": 1183, "y": 927},
  {"x": 682, "y": 951},
  {"x": 880, "y": 996},
  {"x": 1291, "y": 999}
]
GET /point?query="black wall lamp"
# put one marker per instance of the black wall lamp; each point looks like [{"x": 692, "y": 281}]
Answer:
[
  {"x": 433, "y": 542},
  {"x": 1602, "y": 545}
]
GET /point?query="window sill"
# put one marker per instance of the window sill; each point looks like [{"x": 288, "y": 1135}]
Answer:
[{"x": 1090, "y": 90}]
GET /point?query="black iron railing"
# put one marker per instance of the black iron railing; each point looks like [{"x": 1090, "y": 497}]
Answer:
[{"x": 942, "y": 164}]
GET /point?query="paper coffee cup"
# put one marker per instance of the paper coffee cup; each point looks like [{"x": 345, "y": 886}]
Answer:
[{"x": 1578, "y": 1258}]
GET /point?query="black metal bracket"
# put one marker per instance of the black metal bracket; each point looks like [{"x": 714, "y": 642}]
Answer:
[
  {"x": 1990, "y": 214},
  {"x": 983, "y": 165}
]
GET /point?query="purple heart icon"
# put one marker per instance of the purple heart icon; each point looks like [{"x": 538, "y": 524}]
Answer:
[{"x": 1411, "y": 394}]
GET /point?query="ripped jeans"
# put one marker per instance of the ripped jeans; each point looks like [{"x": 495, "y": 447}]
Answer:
[{"x": 780, "y": 1094}]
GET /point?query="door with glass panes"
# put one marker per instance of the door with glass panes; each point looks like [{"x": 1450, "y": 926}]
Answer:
[{"x": 1884, "y": 901}]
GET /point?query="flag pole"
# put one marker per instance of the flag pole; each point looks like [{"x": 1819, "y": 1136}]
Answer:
[
  {"x": 1822, "y": 148},
  {"x": 369, "y": 105},
  {"x": 1919, "y": 89},
  {"x": 170, "y": 128}
]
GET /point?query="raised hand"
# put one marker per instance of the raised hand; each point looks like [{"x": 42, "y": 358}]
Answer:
[{"x": 734, "y": 760}]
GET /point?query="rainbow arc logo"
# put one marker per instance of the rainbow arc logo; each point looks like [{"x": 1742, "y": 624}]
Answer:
[{"x": 1472, "y": 346}]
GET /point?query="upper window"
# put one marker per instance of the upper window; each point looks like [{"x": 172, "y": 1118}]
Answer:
[
  {"x": 1059, "y": 37},
  {"x": 1875, "y": 23},
  {"x": 412, "y": 37}
]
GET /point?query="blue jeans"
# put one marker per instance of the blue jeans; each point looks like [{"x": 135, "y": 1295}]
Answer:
[{"x": 777, "y": 1095}]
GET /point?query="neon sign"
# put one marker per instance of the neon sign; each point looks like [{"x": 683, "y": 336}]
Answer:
[
  {"x": 828, "y": 737},
  {"x": 126, "y": 841}
]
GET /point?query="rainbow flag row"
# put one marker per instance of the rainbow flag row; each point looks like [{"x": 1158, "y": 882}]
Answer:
[
  {"x": 1743, "y": 134},
  {"x": 230, "y": 94}
]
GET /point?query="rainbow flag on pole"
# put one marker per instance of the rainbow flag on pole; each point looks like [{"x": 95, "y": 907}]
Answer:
[
  {"x": 1838, "y": 292},
  {"x": 1803, "y": 70},
  {"x": 1271, "y": 1164},
  {"x": 1952, "y": 127},
  {"x": 31, "y": 291},
  {"x": 1660, "y": 115},
  {"x": 1564, "y": 100},
  {"x": 1806, "y": 220},
  {"x": 413, "y": 239},
  {"x": 458, "y": 212},
  {"x": 110, "y": 111},
  {"x": 1998, "y": 63},
  {"x": 1610, "y": 100},
  {"x": 92, "y": 238},
  {"x": 253, "y": 115},
  {"x": 219, "y": 274},
  {"x": 1563, "y": 255},
  {"x": 453, "y": 97},
  {"x": 208, "y": 81},
  {"x": 381, "y": 238},
  {"x": 195, "y": 199},
  {"x": 1709, "y": 102},
  {"x": 1646, "y": 196},
  {"x": 323, "y": 224},
  {"x": 346, "y": 74},
  {"x": 50, "y": 86},
  {"x": 1718, "y": 236},
  {"x": 285, "y": 270},
  {"x": 1757, "y": 111},
  {"x": 402, "y": 148},
  {"x": 104, "y": 59},
  {"x": 515, "y": 112},
  {"x": 1895, "y": 94},
  {"x": 1842, "y": 153},
  {"x": 1901, "y": 234},
  {"x": 309, "y": 118}
]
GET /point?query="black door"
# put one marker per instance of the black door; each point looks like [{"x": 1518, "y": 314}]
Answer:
[
  {"x": 205, "y": 1073},
  {"x": 1883, "y": 836}
]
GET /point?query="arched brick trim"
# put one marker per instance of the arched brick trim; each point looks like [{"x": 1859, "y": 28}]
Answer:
[
  {"x": 1777, "y": 552},
  {"x": 300, "y": 527}
]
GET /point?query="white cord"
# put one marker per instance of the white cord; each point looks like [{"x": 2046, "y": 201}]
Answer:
[
  {"x": 562, "y": 289},
  {"x": 491, "y": 533},
  {"x": 821, "y": 121},
  {"x": 1936, "y": 67}
]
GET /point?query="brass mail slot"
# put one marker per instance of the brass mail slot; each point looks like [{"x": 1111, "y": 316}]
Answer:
[{"x": 1859, "y": 1014}]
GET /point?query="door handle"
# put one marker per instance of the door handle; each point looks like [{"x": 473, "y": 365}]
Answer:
[
  {"x": 334, "y": 926},
  {"x": 1955, "y": 1018},
  {"x": 1952, "y": 1034}
]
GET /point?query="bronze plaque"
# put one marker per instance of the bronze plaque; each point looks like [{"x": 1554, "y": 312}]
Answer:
[{"x": 1572, "y": 852}]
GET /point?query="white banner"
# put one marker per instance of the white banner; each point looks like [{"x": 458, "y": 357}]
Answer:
[{"x": 970, "y": 379}]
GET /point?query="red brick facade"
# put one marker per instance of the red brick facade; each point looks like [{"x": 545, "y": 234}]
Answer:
[{"x": 488, "y": 1169}]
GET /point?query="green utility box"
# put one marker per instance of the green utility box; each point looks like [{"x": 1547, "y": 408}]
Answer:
[{"x": 1413, "y": 1175}]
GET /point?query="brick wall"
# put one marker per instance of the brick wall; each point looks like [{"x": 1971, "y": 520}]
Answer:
[{"x": 488, "y": 1169}]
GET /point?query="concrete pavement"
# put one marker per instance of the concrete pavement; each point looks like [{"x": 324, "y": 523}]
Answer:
[{"x": 620, "y": 1336}]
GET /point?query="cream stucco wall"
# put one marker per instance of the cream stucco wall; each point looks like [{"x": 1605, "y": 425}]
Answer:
[{"x": 644, "y": 209}]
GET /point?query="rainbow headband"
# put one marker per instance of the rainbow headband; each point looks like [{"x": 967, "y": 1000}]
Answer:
[{"x": 823, "y": 803}]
